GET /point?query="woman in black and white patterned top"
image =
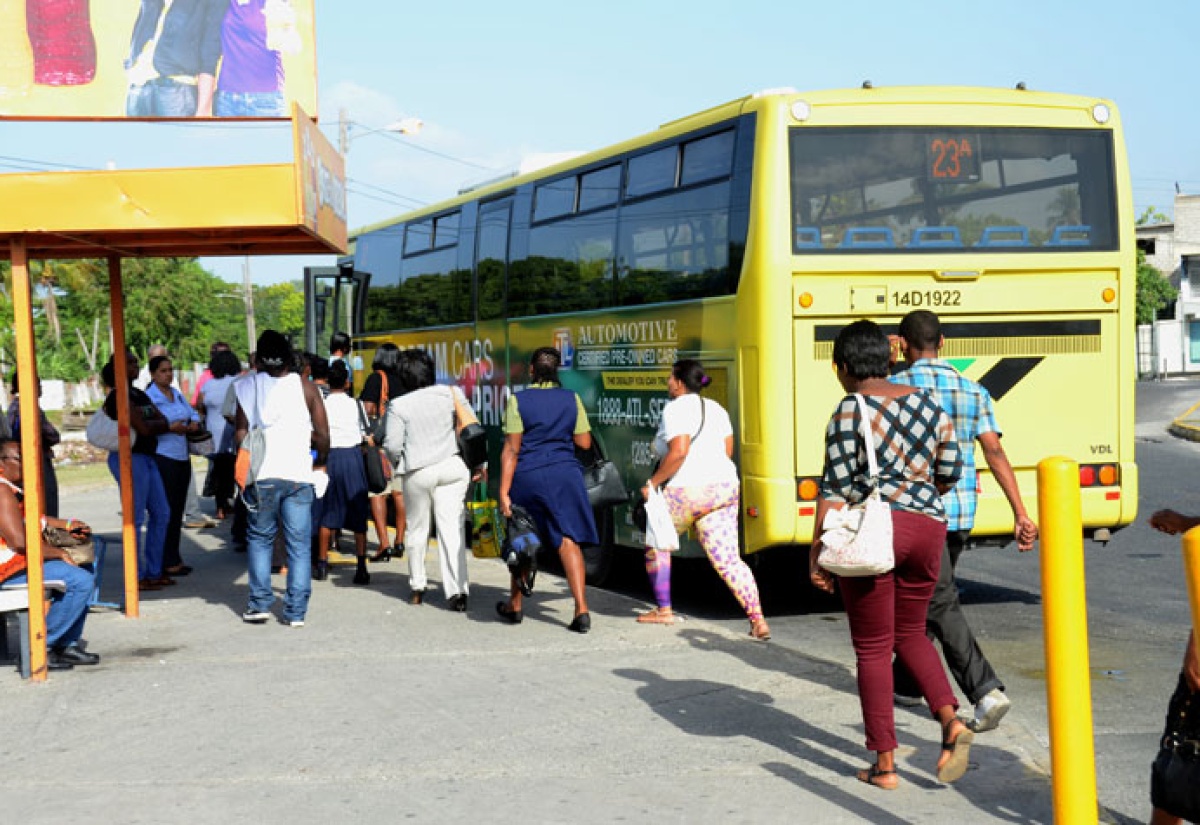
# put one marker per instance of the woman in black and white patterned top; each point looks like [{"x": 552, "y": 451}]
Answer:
[{"x": 918, "y": 459}]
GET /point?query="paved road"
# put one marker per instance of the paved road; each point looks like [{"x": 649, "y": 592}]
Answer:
[{"x": 378, "y": 711}]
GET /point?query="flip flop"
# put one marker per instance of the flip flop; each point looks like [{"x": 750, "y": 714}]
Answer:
[
  {"x": 874, "y": 776},
  {"x": 959, "y": 749},
  {"x": 657, "y": 616}
]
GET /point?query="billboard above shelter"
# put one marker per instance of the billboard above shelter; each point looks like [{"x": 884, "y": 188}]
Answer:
[{"x": 156, "y": 59}]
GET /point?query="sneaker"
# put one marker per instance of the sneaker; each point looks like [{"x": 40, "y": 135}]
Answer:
[
  {"x": 255, "y": 617},
  {"x": 989, "y": 711},
  {"x": 906, "y": 701},
  {"x": 296, "y": 623}
]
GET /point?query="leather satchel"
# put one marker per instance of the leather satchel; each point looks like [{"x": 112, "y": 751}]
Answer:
[
  {"x": 603, "y": 480},
  {"x": 82, "y": 550},
  {"x": 857, "y": 540}
]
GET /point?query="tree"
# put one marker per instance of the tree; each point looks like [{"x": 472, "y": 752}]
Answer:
[
  {"x": 1154, "y": 291},
  {"x": 1152, "y": 215},
  {"x": 169, "y": 301}
]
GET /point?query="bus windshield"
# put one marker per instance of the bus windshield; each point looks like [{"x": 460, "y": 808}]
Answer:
[{"x": 937, "y": 189}]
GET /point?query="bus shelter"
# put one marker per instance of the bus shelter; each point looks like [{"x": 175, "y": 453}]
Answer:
[{"x": 274, "y": 209}]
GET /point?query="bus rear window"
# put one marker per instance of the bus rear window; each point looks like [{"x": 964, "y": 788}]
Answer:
[{"x": 935, "y": 189}]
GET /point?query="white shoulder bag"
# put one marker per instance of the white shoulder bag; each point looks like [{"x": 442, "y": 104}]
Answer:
[{"x": 857, "y": 539}]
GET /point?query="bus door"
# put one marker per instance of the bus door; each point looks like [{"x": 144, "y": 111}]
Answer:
[
  {"x": 487, "y": 376},
  {"x": 334, "y": 301}
]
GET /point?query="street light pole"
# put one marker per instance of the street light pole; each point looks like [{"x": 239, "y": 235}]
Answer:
[
  {"x": 403, "y": 126},
  {"x": 248, "y": 300}
]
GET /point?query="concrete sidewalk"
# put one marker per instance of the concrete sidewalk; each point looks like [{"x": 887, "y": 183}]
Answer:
[{"x": 378, "y": 711}]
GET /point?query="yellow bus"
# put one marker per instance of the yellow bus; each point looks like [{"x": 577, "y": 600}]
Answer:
[{"x": 746, "y": 236}]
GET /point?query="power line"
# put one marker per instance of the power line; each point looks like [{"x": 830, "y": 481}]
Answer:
[{"x": 409, "y": 144}]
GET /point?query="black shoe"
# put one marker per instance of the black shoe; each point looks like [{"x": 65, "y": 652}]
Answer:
[
  {"x": 505, "y": 610},
  {"x": 582, "y": 623},
  {"x": 320, "y": 570},
  {"x": 53, "y": 662},
  {"x": 398, "y": 550},
  {"x": 361, "y": 576},
  {"x": 458, "y": 603},
  {"x": 74, "y": 656},
  {"x": 381, "y": 556}
]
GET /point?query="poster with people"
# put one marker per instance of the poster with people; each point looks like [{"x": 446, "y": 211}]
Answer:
[{"x": 156, "y": 59}]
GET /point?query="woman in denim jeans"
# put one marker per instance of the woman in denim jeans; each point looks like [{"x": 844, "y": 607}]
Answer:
[{"x": 150, "y": 505}]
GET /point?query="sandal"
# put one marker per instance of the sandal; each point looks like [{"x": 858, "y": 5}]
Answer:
[
  {"x": 659, "y": 615},
  {"x": 879, "y": 778},
  {"x": 959, "y": 750},
  {"x": 759, "y": 630}
]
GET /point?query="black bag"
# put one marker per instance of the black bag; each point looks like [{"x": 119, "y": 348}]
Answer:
[
  {"x": 1175, "y": 774},
  {"x": 521, "y": 539},
  {"x": 603, "y": 480},
  {"x": 472, "y": 437},
  {"x": 377, "y": 466}
]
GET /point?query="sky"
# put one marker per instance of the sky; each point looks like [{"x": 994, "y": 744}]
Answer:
[{"x": 498, "y": 83}]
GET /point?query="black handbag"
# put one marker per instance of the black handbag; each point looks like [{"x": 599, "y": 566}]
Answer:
[
  {"x": 471, "y": 436},
  {"x": 1175, "y": 774},
  {"x": 521, "y": 545},
  {"x": 375, "y": 463},
  {"x": 603, "y": 480}
]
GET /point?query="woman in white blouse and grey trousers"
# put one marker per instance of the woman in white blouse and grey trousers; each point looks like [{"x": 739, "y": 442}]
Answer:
[{"x": 420, "y": 440}]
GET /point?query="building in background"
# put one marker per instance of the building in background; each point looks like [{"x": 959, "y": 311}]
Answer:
[{"x": 1171, "y": 346}]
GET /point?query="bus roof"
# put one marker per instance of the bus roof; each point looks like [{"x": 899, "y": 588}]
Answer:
[{"x": 867, "y": 95}]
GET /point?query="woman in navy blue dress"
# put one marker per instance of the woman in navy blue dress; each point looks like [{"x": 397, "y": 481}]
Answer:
[{"x": 539, "y": 472}]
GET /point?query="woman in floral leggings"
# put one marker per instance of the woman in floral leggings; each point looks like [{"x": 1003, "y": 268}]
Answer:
[{"x": 699, "y": 482}]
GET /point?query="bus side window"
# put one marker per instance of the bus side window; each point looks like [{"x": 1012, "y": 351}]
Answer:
[{"x": 1004, "y": 236}]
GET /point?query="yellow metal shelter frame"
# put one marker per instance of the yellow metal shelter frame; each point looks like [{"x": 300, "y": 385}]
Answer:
[{"x": 277, "y": 209}]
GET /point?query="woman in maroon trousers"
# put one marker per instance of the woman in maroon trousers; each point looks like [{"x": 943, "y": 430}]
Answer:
[{"x": 918, "y": 459}]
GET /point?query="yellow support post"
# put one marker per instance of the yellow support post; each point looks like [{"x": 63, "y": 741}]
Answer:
[
  {"x": 1191, "y": 569},
  {"x": 1068, "y": 673},
  {"x": 31, "y": 456},
  {"x": 116, "y": 298}
]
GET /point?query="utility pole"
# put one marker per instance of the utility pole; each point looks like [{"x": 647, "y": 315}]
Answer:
[
  {"x": 248, "y": 299},
  {"x": 343, "y": 131}
]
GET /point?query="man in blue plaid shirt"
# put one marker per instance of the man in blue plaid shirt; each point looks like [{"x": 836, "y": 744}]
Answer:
[{"x": 970, "y": 408}]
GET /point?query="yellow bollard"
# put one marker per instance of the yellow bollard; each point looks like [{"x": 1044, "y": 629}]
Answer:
[
  {"x": 1068, "y": 673},
  {"x": 1191, "y": 570}
]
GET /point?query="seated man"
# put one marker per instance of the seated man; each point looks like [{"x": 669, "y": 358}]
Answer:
[{"x": 68, "y": 611}]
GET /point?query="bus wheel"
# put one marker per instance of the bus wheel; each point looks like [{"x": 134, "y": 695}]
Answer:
[{"x": 598, "y": 558}]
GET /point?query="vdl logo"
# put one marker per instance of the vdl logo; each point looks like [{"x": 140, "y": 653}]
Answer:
[{"x": 562, "y": 343}]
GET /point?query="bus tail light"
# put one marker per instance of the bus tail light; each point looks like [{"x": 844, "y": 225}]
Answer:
[
  {"x": 1099, "y": 475},
  {"x": 806, "y": 489}
]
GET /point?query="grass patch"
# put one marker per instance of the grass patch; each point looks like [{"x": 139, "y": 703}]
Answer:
[{"x": 84, "y": 476}]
